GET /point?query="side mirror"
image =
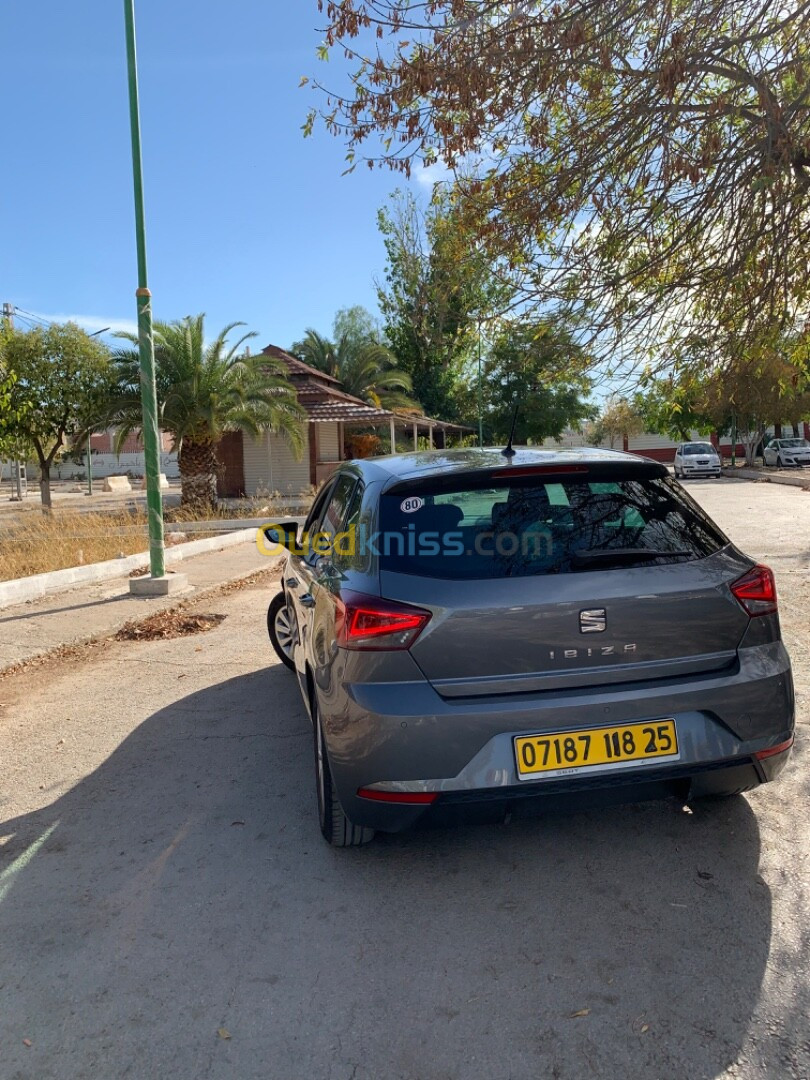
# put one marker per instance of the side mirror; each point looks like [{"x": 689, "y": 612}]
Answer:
[{"x": 284, "y": 534}]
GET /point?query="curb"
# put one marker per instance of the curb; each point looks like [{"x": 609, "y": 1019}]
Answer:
[
  {"x": 23, "y": 589},
  {"x": 763, "y": 478}
]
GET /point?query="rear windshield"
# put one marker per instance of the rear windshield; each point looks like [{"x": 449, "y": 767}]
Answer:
[
  {"x": 698, "y": 448},
  {"x": 525, "y": 528}
]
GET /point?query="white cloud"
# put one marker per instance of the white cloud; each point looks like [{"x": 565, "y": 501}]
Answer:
[
  {"x": 428, "y": 175},
  {"x": 92, "y": 323}
]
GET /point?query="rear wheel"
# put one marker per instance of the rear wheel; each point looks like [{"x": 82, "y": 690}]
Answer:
[
  {"x": 280, "y": 629},
  {"x": 336, "y": 828}
]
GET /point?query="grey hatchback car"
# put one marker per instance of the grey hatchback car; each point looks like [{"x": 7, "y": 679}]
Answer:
[{"x": 480, "y": 635}]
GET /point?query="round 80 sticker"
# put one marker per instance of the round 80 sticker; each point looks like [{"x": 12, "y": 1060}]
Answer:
[{"x": 410, "y": 506}]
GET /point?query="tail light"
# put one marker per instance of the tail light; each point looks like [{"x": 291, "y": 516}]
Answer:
[
  {"x": 367, "y": 622},
  {"x": 756, "y": 591}
]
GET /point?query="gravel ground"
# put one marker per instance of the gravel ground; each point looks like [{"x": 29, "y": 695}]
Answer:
[{"x": 167, "y": 908}]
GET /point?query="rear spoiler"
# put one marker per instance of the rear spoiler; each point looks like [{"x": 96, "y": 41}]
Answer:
[{"x": 519, "y": 475}]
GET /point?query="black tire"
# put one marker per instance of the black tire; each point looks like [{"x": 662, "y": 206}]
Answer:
[
  {"x": 336, "y": 828},
  {"x": 280, "y": 630}
]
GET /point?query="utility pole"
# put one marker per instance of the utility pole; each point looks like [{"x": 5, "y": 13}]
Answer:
[
  {"x": 17, "y": 466},
  {"x": 158, "y": 584},
  {"x": 89, "y": 458}
]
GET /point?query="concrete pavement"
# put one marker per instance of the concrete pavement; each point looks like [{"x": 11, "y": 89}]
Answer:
[
  {"x": 96, "y": 610},
  {"x": 168, "y": 909}
]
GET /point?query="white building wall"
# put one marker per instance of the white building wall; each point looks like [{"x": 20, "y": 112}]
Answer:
[
  {"x": 660, "y": 442},
  {"x": 646, "y": 441},
  {"x": 109, "y": 465}
]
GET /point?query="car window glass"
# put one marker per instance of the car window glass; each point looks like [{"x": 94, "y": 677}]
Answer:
[
  {"x": 318, "y": 506},
  {"x": 347, "y": 551},
  {"x": 531, "y": 528},
  {"x": 332, "y": 519}
]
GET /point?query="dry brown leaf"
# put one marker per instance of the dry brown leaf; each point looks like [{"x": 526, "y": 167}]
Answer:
[
  {"x": 580, "y": 1012},
  {"x": 27, "y": 1042},
  {"x": 168, "y": 624},
  {"x": 223, "y": 1033}
]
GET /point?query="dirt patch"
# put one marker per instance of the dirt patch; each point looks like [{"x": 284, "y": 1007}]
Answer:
[{"x": 168, "y": 624}]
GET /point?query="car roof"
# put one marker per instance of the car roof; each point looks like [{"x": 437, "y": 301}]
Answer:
[{"x": 474, "y": 459}]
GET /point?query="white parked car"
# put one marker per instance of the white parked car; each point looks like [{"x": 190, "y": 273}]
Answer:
[
  {"x": 781, "y": 452},
  {"x": 696, "y": 459}
]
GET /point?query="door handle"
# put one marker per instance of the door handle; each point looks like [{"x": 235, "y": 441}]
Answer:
[
  {"x": 291, "y": 583},
  {"x": 307, "y": 600}
]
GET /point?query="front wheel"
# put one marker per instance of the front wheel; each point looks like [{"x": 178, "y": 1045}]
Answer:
[
  {"x": 280, "y": 629},
  {"x": 336, "y": 828}
]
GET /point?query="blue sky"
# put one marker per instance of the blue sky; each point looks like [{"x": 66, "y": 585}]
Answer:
[{"x": 246, "y": 219}]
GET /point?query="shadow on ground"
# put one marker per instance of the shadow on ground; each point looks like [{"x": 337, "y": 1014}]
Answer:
[{"x": 183, "y": 888}]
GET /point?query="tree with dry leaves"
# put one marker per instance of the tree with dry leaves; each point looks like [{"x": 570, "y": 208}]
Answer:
[{"x": 644, "y": 163}]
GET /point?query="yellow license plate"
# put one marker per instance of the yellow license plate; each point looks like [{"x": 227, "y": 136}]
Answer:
[{"x": 563, "y": 752}]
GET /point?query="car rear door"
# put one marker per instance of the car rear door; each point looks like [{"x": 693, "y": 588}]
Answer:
[
  {"x": 300, "y": 576},
  {"x": 321, "y": 573}
]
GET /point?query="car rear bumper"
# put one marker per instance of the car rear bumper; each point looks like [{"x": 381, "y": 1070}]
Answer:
[
  {"x": 494, "y": 805},
  {"x": 403, "y": 736}
]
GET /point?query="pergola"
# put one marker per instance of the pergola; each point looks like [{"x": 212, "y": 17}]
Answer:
[{"x": 418, "y": 424}]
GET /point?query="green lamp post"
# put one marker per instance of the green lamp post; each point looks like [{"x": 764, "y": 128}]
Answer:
[{"x": 146, "y": 346}]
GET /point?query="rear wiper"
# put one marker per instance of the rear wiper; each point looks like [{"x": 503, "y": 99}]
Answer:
[{"x": 595, "y": 556}]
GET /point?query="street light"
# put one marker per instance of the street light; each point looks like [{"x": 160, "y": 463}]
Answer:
[
  {"x": 89, "y": 459},
  {"x": 158, "y": 583}
]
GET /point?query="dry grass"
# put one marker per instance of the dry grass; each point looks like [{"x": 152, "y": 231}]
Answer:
[
  {"x": 269, "y": 505},
  {"x": 42, "y": 542},
  {"x": 34, "y": 543}
]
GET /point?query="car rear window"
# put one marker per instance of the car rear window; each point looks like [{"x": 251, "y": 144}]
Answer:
[{"x": 529, "y": 527}]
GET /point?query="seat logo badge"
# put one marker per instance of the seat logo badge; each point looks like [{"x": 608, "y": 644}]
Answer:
[{"x": 592, "y": 621}]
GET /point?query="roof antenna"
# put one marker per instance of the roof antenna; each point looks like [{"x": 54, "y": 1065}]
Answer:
[{"x": 508, "y": 450}]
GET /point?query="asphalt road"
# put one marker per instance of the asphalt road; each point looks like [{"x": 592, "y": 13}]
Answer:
[{"x": 168, "y": 909}]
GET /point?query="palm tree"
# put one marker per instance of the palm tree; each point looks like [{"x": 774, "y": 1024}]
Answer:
[
  {"x": 203, "y": 391},
  {"x": 365, "y": 369}
]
